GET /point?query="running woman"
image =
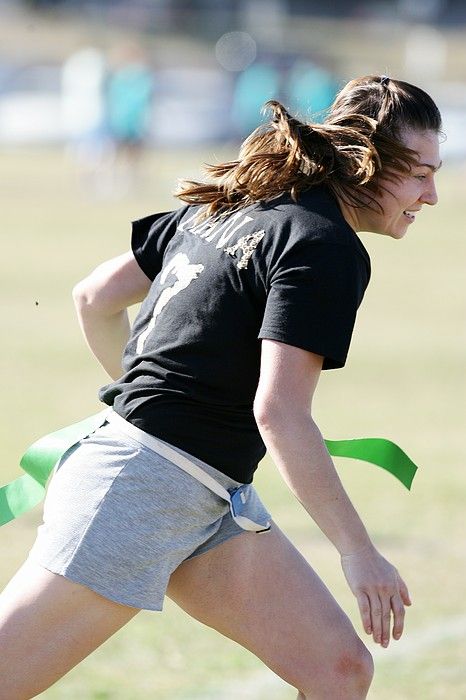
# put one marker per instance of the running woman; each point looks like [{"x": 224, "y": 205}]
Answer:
[{"x": 248, "y": 292}]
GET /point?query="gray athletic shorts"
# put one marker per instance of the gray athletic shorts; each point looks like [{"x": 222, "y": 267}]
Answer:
[{"x": 120, "y": 518}]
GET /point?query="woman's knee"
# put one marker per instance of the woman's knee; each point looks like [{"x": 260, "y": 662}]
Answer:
[
  {"x": 346, "y": 672},
  {"x": 354, "y": 667}
]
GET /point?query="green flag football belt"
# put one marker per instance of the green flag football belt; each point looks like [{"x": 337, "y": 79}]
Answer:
[{"x": 38, "y": 462}]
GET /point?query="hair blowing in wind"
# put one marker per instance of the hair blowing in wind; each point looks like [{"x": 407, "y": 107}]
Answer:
[{"x": 360, "y": 139}]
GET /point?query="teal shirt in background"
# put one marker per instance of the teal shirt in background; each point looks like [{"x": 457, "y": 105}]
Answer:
[{"x": 129, "y": 101}]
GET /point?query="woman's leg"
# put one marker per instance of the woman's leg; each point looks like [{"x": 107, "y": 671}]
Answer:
[
  {"x": 259, "y": 591},
  {"x": 48, "y": 624}
]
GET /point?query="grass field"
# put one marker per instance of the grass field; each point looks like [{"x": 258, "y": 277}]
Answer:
[{"x": 405, "y": 380}]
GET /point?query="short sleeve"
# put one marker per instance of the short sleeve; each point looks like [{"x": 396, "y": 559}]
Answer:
[
  {"x": 149, "y": 238},
  {"x": 314, "y": 294}
]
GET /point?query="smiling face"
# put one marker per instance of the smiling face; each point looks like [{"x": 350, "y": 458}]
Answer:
[{"x": 402, "y": 199}]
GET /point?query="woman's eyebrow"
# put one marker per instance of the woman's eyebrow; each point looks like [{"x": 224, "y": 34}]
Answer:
[{"x": 434, "y": 168}]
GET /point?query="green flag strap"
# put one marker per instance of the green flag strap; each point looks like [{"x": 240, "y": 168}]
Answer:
[
  {"x": 384, "y": 453},
  {"x": 38, "y": 461},
  {"x": 24, "y": 493}
]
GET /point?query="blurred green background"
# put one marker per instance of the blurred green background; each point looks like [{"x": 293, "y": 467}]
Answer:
[{"x": 405, "y": 380}]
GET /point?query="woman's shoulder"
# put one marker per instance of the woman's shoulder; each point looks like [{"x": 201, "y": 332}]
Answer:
[
  {"x": 309, "y": 228},
  {"x": 314, "y": 217}
]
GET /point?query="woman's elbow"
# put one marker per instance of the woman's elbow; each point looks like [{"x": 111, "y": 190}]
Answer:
[
  {"x": 79, "y": 293},
  {"x": 82, "y": 294},
  {"x": 270, "y": 413},
  {"x": 260, "y": 414},
  {"x": 275, "y": 414},
  {"x": 89, "y": 297}
]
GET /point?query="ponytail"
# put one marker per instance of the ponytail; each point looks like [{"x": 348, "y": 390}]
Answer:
[{"x": 347, "y": 152}]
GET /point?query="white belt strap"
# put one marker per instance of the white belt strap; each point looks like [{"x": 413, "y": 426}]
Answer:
[
  {"x": 235, "y": 500},
  {"x": 169, "y": 453}
]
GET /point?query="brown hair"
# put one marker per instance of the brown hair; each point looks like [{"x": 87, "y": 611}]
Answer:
[{"x": 360, "y": 140}]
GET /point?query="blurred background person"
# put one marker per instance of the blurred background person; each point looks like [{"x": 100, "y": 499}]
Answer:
[
  {"x": 128, "y": 106},
  {"x": 83, "y": 112}
]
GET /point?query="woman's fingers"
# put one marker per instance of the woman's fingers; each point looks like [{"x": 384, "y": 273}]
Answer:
[
  {"x": 365, "y": 612},
  {"x": 380, "y": 591},
  {"x": 376, "y": 618},
  {"x": 404, "y": 591},
  {"x": 376, "y": 613},
  {"x": 386, "y": 619},
  {"x": 398, "y": 610},
  {"x": 380, "y": 619}
]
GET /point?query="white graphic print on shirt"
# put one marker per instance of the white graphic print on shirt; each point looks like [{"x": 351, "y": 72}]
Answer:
[
  {"x": 247, "y": 245},
  {"x": 210, "y": 228},
  {"x": 185, "y": 273}
]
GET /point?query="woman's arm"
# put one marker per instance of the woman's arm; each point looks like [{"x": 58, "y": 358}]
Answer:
[
  {"x": 101, "y": 302},
  {"x": 282, "y": 409}
]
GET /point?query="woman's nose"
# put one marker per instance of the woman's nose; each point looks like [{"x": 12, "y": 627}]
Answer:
[{"x": 430, "y": 196}]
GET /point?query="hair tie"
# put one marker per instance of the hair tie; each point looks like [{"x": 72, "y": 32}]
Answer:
[{"x": 384, "y": 79}]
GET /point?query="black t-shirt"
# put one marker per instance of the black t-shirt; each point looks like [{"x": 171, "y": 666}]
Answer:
[{"x": 292, "y": 272}]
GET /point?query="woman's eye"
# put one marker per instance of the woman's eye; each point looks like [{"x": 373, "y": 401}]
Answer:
[{"x": 420, "y": 177}]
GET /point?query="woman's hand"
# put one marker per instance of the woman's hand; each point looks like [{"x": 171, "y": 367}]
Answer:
[{"x": 380, "y": 592}]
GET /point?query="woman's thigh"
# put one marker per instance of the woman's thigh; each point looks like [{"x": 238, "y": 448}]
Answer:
[
  {"x": 258, "y": 590},
  {"x": 48, "y": 624}
]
